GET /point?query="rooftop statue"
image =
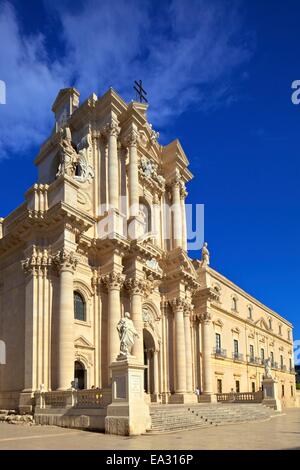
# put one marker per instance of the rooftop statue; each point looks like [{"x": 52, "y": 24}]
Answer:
[{"x": 205, "y": 257}]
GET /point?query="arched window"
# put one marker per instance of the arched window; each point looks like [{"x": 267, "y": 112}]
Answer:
[
  {"x": 234, "y": 304},
  {"x": 79, "y": 307},
  {"x": 250, "y": 311}
]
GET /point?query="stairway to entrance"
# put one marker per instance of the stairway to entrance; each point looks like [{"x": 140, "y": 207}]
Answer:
[{"x": 172, "y": 418}]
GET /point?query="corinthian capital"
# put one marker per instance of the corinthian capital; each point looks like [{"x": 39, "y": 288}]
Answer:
[
  {"x": 37, "y": 262},
  {"x": 178, "y": 304},
  {"x": 131, "y": 139},
  {"x": 136, "y": 286},
  {"x": 205, "y": 317},
  {"x": 111, "y": 129},
  {"x": 65, "y": 260},
  {"x": 188, "y": 309},
  {"x": 113, "y": 280}
]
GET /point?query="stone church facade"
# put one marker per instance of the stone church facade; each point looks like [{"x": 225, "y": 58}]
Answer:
[{"x": 103, "y": 232}]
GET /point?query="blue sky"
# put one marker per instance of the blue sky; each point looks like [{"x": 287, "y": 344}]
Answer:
[{"x": 218, "y": 76}]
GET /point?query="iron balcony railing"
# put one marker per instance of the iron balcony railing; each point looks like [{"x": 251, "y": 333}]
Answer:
[
  {"x": 220, "y": 352},
  {"x": 237, "y": 356},
  {"x": 253, "y": 360}
]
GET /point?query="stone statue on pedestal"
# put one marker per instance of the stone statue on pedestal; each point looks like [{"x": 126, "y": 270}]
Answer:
[
  {"x": 268, "y": 373},
  {"x": 205, "y": 258},
  {"x": 127, "y": 335}
]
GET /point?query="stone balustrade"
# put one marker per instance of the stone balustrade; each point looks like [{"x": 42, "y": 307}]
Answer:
[
  {"x": 243, "y": 397},
  {"x": 91, "y": 398}
]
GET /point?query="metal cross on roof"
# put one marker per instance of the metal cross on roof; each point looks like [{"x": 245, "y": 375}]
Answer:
[{"x": 140, "y": 92}]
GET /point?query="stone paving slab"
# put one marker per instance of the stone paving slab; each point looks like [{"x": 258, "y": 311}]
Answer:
[{"x": 281, "y": 432}]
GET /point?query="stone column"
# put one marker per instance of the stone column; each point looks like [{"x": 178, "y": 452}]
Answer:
[
  {"x": 156, "y": 218},
  {"x": 148, "y": 354},
  {"x": 66, "y": 264},
  {"x": 30, "y": 353},
  {"x": 136, "y": 287},
  {"x": 183, "y": 195},
  {"x": 180, "y": 355},
  {"x": 113, "y": 281},
  {"x": 207, "y": 345},
  {"x": 112, "y": 131},
  {"x": 156, "y": 380},
  {"x": 177, "y": 216},
  {"x": 188, "y": 350},
  {"x": 133, "y": 174}
]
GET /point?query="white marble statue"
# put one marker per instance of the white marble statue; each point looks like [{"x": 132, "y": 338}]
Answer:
[
  {"x": 127, "y": 335},
  {"x": 268, "y": 373},
  {"x": 205, "y": 258}
]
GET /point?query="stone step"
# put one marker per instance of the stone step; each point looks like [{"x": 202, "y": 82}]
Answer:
[{"x": 172, "y": 418}]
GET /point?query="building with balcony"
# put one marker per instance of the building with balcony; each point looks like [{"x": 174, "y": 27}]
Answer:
[{"x": 103, "y": 232}]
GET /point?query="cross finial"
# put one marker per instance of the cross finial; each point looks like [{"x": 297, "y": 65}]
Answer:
[{"x": 140, "y": 92}]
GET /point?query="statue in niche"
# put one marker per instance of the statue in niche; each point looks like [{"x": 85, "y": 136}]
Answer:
[
  {"x": 127, "y": 335},
  {"x": 205, "y": 257}
]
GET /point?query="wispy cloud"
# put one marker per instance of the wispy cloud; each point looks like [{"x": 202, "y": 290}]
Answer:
[{"x": 186, "y": 52}]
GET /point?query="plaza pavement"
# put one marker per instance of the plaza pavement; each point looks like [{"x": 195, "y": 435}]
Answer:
[{"x": 281, "y": 432}]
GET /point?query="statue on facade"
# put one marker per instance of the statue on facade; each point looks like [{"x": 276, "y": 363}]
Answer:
[
  {"x": 127, "y": 335},
  {"x": 268, "y": 373},
  {"x": 68, "y": 155},
  {"x": 74, "y": 160},
  {"x": 205, "y": 257}
]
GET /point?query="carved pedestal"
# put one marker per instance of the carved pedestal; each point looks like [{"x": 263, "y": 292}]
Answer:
[
  {"x": 270, "y": 397},
  {"x": 128, "y": 414}
]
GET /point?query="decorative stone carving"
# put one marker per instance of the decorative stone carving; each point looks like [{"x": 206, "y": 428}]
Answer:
[
  {"x": 154, "y": 135},
  {"x": 111, "y": 129},
  {"x": 132, "y": 139},
  {"x": 136, "y": 286},
  {"x": 38, "y": 260},
  {"x": 205, "y": 256},
  {"x": 178, "y": 304},
  {"x": 72, "y": 158},
  {"x": 205, "y": 317},
  {"x": 127, "y": 335},
  {"x": 68, "y": 154},
  {"x": 85, "y": 169},
  {"x": 149, "y": 170},
  {"x": 65, "y": 260},
  {"x": 113, "y": 280}
]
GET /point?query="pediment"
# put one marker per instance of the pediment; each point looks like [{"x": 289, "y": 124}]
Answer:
[
  {"x": 236, "y": 330},
  {"x": 262, "y": 324},
  {"x": 82, "y": 342},
  {"x": 218, "y": 322}
]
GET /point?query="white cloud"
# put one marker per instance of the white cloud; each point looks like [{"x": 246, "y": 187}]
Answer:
[{"x": 185, "y": 52}]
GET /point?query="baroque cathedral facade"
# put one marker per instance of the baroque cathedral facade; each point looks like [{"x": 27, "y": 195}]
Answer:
[{"x": 103, "y": 232}]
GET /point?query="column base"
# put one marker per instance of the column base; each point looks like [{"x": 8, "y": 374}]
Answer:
[
  {"x": 207, "y": 398},
  {"x": 182, "y": 397}
]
